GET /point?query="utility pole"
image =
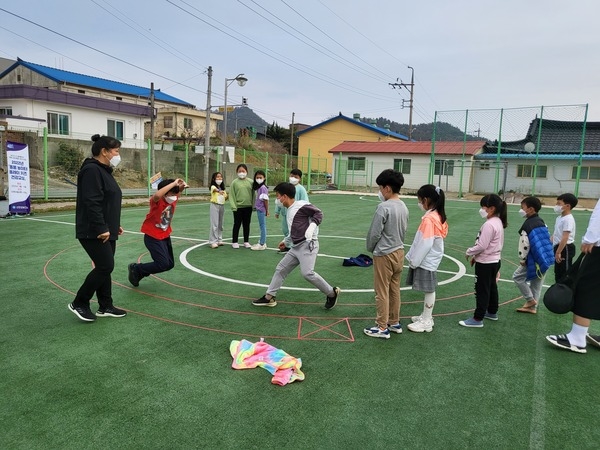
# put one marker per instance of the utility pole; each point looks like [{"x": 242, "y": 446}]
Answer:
[
  {"x": 152, "y": 119},
  {"x": 207, "y": 128},
  {"x": 292, "y": 137},
  {"x": 410, "y": 102}
]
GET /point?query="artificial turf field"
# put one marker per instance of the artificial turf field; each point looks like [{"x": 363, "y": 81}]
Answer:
[{"x": 162, "y": 378}]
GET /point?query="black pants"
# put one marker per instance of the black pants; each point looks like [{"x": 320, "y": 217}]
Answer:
[
  {"x": 161, "y": 252},
  {"x": 567, "y": 254},
  {"x": 98, "y": 280},
  {"x": 486, "y": 289},
  {"x": 241, "y": 217}
]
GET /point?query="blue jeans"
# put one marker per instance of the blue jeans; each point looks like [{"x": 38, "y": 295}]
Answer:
[{"x": 262, "y": 223}]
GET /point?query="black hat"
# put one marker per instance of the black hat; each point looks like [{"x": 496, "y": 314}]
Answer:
[{"x": 559, "y": 298}]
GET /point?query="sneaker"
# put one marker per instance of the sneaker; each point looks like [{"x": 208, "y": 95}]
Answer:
[
  {"x": 133, "y": 278},
  {"x": 247, "y": 245},
  {"x": 593, "y": 339},
  {"x": 377, "y": 332},
  {"x": 331, "y": 301},
  {"x": 424, "y": 325},
  {"x": 420, "y": 317},
  {"x": 264, "y": 302},
  {"x": 395, "y": 328},
  {"x": 111, "y": 311},
  {"x": 259, "y": 247},
  {"x": 214, "y": 245},
  {"x": 221, "y": 243},
  {"x": 235, "y": 245},
  {"x": 83, "y": 312},
  {"x": 562, "y": 341},
  {"x": 490, "y": 316},
  {"x": 471, "y": 323}
]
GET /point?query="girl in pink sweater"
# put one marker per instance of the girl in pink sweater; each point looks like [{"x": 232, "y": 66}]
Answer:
[{"x": 486, "y": 255}]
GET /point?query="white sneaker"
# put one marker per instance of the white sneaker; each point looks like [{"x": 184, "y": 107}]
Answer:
[
  {"x": 235, "y": 245},
  {"x": 247, "y": 245},
  {"x": 420, "y": 326},
  {"x": 420, "y": 318},
  {"x": 259, "y": 247}
]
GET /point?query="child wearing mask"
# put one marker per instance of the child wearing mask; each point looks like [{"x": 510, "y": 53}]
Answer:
[
  {"x": 426, "y": 253},
  {"x": 157, "y": 231},
  {"x": 535, "y": 254},
  {"x": 564, "y": 235},
  {"x": 280, "y": 210},
  {"x": 261, "y": 204},
  {"x": 240, "y": 199},
  {"x": 218, "y": 195},
  {"x": 486, "y": 256}
]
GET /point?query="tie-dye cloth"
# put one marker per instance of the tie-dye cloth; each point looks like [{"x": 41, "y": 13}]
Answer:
[{"x": 284, "y": 368}]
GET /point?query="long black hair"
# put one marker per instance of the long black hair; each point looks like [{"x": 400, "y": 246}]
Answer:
[
  {"x": 255, "y": 185},
  {"x": 213, "y": 181},
  {"x": 436, "y": 199},
  {"x": 499, "y": 206}
]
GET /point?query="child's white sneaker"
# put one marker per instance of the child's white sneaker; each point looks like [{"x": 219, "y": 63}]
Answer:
[
  {"x": 420, "y": 326},
  {"x": 420, "y": 318},
  {"x": 259, "y": 247}
]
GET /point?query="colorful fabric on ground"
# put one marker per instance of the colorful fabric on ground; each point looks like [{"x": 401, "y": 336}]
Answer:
[{"x": 284, "y": 368}]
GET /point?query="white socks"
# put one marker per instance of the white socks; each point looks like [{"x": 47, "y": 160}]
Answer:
[
  {"x": 428, "y": 306},
  {"x": 577, "y": 335}
]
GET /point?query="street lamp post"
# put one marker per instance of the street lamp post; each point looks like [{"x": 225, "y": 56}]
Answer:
[{"x": 241, "y": 80}]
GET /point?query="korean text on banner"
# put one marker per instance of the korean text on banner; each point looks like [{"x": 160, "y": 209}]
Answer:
[{"x": 19, "y": 189}]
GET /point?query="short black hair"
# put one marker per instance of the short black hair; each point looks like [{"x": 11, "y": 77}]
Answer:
[
  {"x": 167, "y": 182},
  {"x": 107, "y": 142},
  {"x": 286, "y": 189},
  {"x": 391, "y": 178},
  {"x": 296, "y": 172},
  {"x": 532, "y": 202},
  {"x": 568, "y": 199}
]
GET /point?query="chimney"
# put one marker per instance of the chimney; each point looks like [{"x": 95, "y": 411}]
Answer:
[
  {"x": 356, "y": 116},
  {"x": 373, "y": 122},
  {"x": 387, "y": 126}
]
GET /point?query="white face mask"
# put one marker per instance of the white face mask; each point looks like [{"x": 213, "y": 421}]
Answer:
[
  {"x": 218, "y": 182},
  {"x": 421, "y": 207},
  {"x": 294, "y": 181},
  {"x": 242, "y": 175},
  {"x": 381, "y": 196},
  {"x": 522, "y": 213},
  {"x": 170, "y": 199},
  {"x": 260, "y": 180},
  {"x": 115, "y": 160},
  {"x": 558, "y": 209},
  {"x": 483, "y": 213},
  {"x": 278, "y": 203}
]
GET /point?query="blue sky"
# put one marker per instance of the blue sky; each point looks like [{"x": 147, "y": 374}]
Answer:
[{"x": 317, "y": 58}]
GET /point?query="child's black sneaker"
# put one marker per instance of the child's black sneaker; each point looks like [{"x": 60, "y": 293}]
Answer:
[
  {"x": 133, "y": 278},
  {"x": 83, "y": 312},
  {"x": 331, "y": 301},
  {"x": 263, "y": 301},
  {"x": 111, "y": 311}
]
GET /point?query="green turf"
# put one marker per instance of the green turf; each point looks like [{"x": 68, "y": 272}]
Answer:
[{"x": 162, "y": 376}]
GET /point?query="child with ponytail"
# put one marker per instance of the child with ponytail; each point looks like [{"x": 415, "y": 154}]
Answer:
[
  {"x": 426, "y": 253},
  {"x": 486, "y": 256}
]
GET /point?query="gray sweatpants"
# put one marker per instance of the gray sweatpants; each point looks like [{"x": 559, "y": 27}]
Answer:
[
  {"x": 303, "y": 256},
  {"x": 216, "y": 223},
  {"x": 532, "y": 289}
]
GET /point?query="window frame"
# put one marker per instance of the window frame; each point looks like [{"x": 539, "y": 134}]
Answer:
[
  {"x": 60, "y": 118},
  {"x": 113, "y": 132},
  {"x": 352, "y": 160},
  {"x": 400, "y": 165}
]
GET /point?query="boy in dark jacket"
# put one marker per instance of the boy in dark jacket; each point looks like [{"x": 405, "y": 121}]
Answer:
[{"x": 535, "y": 254}]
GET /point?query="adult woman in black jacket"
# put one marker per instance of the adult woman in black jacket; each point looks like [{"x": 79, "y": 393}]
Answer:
[{"x": 97, "y": 227}]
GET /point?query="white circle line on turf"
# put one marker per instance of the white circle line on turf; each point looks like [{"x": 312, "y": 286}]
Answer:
[{"x": 183, "y": 259}]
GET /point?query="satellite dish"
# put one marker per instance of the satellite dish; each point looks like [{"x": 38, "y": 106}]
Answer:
[{"x": 529, "y": 147}]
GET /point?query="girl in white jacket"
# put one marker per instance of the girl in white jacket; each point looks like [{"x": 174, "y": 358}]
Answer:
[{"x": 426, "y": 253}]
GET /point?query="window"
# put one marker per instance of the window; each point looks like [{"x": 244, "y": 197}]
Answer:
[
  {"x": 58, "y": 123},
  {"x": 80, "y": 91},
  {"x": 356, "y": 163},
  {"x": 484, "y": 165},
  {"x": 115, "y": 128},
  {"x": 526, "y": 171},
  {"x": 168, "y": 122},
  {"x": 444, "y": 167},
  {"x": 587, "y": 173},
  {"x": 402, "y": 165},
  {"x": 187, "y": 123},
  {"x": 5, "y": 110}
]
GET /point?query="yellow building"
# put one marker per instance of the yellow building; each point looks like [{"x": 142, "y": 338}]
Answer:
[{"x": 321, "y": 138}]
